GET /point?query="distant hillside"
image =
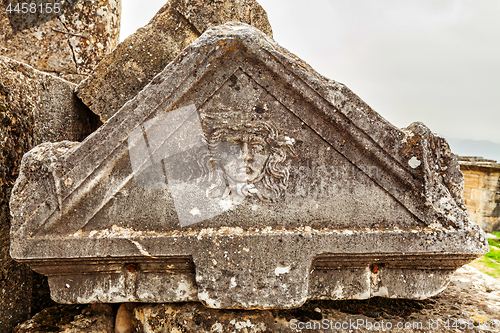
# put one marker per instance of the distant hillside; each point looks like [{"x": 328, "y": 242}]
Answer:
[{"x": 465, "y": 147}]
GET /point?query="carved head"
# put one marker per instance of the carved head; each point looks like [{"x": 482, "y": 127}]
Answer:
[{"x": 251, "y": 159}]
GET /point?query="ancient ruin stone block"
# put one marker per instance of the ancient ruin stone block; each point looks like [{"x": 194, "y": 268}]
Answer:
[
  {"x": 482, "y": 191},
  {"x": 132, "y": 65},
  {"x": 242, "y": 178},
  {"x": 66, "y": 38},
  {"x": 35, "y": 107}
]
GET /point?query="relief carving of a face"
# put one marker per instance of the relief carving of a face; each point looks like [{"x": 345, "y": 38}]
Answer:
[
  {"x": 243, "y": 157},
  {"x": 249, "y": 160}
]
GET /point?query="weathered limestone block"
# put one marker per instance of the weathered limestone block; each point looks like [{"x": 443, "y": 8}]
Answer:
[
  {"x": 241, "y": 178},
  {"x": 482, "y": 191},
  {"x": 96, "y": 318},
  {"x": 69, "y": 41},
  {"x": 34, "y": 107},
  {"x": 132, "y": 65}
]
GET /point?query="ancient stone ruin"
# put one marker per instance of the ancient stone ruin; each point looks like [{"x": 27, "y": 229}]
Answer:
[
  {"x": 43, "y": 40},
  {"x": 136, "y": 61},
  {"x": 241, "y": 178},
  {"x": 227, "y": 172},
  {"x": 35, "y": 107},
  {"x": 482, "y": 191}
]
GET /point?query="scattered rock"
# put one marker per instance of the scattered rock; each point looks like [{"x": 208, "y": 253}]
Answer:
[
  {"x": 493, "y": 237},
  {"x": 135, "y": 61},
  {"x": 95, "y": 318},
  {"x": 124, "y": 318},
  {"x": 69, "y": 41}
]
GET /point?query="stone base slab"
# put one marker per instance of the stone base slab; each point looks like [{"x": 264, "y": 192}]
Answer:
[{"x": 222, "y": 284}]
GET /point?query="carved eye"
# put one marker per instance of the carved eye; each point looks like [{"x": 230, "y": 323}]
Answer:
[
  {"x": 228, "y": 148},
  {"x": 258, "y": 148},
  {"x": 233, "y": 149}
]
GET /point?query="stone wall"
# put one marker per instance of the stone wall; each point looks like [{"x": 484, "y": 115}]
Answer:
[{"x": 482, "y": 191}]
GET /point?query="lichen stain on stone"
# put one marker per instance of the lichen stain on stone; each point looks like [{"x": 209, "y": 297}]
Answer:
[{"x": 186, "y": 291}]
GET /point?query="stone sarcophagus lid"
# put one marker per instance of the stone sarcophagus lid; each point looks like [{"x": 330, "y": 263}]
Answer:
[{"x": 241, "y": 178}]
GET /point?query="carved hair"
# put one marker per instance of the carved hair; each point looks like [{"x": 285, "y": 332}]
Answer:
[{"x": 275, "y": 174}]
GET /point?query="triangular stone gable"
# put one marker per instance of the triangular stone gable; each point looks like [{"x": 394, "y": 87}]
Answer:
[
  {"x": 326, "y": 181},
  {"x": 359, "y": 141}
]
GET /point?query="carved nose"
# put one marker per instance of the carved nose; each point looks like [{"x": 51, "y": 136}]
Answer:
[{"x": 245, "y": 153}]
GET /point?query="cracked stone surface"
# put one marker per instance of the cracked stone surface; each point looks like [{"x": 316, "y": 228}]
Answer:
[
  {"x": 132, "y": 65},
  {"x": 35, "y": 107},
  {"x": 242, "y": 178},
  {"x": 68, "y": 44}
]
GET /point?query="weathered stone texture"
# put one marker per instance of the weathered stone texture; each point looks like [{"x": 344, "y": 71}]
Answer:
[
  {"x": 42, "y": 40},
  {"x": 470, "y": 296},
  {"x": 265, "y": 183},
  {"x": 96, "y": 318},
  {"x": 482, "y": 191},
  {"x": 124, "y": 318},
  {"x": 124, "y": 72},
  {"x": 34, "y": 107},
  {"x": 194, "y": 317},
  {"x": 16, "y": 280}
]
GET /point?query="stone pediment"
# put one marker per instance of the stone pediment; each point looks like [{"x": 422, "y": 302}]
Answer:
[{"x": 242, "y": 178}]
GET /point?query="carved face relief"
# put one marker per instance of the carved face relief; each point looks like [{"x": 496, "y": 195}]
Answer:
[
  {"x": 249, "y": 160},
  {"x": 243, "y": 158}
]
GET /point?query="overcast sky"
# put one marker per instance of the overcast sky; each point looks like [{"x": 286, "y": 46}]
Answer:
[{"x": 435, "y": 61}]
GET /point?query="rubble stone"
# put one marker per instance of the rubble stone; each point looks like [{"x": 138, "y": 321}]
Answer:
[
  {"x": 96, "y": 318},
  {"x": 194, "y": 317},
  {"x": 34, "y": 107},
  {"x": 241, "y": 178},
  {"x": 124, "y": 318},
  {"x": 132, "y": 65},
  {"x": 69, "y": 41}
]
